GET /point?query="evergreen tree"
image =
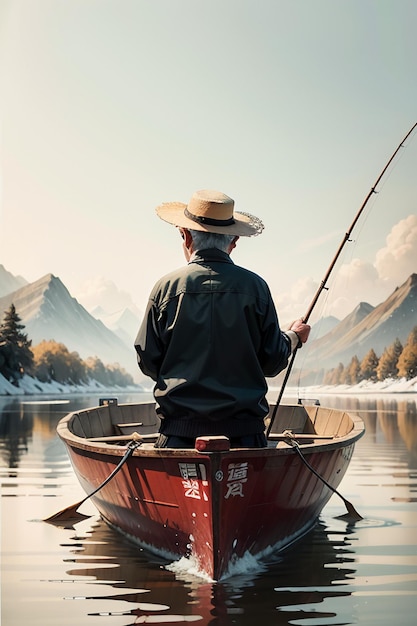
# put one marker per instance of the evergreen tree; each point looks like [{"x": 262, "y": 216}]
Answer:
[
  {"x": 327, "y": 377},
  {"x": 337, "y": 375},
  {"x": 16, "y": 357},
  {"x": 407, "y": 362},
  {"x": 387, "y": 366},
  {"x": 368, "y": 366},
  {"x": 345, "y": 378},
  {"x": 354, "y": 369}
]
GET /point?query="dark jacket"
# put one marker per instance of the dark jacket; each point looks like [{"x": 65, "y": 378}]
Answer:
[{"x": 209, "y": 337}]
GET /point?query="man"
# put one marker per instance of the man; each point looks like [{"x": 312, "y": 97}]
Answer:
[{"x": 210, "y": 334}]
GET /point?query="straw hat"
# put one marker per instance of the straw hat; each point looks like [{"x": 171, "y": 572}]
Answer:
[{"x": 212, "y": 212}]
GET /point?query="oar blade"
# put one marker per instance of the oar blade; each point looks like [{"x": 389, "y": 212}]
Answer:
[
  {"x": 70, "y": 514},
  {"x": 352, "y": 515},
  {"x": 67, "y": 517}
]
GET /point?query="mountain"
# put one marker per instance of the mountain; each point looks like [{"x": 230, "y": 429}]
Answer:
[
  {"x": 9, "y": 283},
  {"x": 367, "y": 327},
  {"x": 323, "y": 326},
  {"x": 49, "y": 312},
  {"x": 124, "y": 323}
]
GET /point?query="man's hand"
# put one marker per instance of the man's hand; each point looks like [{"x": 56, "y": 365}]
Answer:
[{"x": 302, "y": 330}]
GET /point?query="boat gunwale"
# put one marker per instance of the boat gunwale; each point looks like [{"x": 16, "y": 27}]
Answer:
[{"x": 117, "y": 450}]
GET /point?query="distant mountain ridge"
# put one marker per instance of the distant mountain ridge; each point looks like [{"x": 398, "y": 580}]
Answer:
[
  {"x": 49, "y": 312},
  {"x": 9, "y": 283},
  {"x": 367, "y": 327},
  {"x": 124, "y": 323},
  {"x": 323, "y": 326}
]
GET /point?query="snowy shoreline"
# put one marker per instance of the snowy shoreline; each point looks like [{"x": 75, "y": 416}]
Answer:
[
  {"x": 31, "y": 386},
  {"x": 386, "y": 386},
  {"x": 389, "y": 386}
]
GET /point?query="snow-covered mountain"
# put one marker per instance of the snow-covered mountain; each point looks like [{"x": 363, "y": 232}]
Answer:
[{"x": 49, "y": 312}]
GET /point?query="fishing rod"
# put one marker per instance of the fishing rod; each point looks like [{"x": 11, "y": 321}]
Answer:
[{"x": 323, "y": 283}]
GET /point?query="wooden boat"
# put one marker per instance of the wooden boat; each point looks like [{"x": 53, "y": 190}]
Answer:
[{"x": 213, "y": 504}]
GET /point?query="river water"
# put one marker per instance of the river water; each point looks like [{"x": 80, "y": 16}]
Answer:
[{"x": 88, "y": 575}]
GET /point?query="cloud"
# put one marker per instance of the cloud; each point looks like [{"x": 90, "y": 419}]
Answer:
[
  {"x": 294, "y": 303},
  {"x": 398, "y": 258},
  {"x": 364, "y": 281},
  {"x": 101, "y": 292},
  {"x": 358, "y": 280},
  {"x": 355, "y": 282}
]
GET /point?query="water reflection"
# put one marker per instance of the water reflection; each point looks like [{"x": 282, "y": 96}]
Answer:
[
  {"x": 389, "y": 418},
  {"x": 315, "y": 569},
  {"x": 365, "y": 574},
  {"x": 407, "y": 425},
  {"x": 16, "y": 428},
  {"x": 25, "y": 423}
]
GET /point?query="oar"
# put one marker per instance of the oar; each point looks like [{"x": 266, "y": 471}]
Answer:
[
  {"x": 70, "y": 513},
  {"x": 352, "y": 514}
]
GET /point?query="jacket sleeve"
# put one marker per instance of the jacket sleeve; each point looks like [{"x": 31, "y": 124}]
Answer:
[
  {"x": 148, "y": 343},
  {"x": 276, "y": 345}
]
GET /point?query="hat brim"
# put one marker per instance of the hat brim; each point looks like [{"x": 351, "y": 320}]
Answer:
[{"x": 245, "y": 224}]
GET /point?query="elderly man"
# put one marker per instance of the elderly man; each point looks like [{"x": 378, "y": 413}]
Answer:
[{"x": 210, "y": 334}]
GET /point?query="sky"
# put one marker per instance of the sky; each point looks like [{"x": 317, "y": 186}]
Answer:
[{"x": 111, "y": 107}]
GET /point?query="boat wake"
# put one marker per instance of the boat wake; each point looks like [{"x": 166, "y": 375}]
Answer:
[{"x": 188, "y": 568}]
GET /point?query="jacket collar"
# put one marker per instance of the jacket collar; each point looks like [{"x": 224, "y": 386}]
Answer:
[{"x": 211, "y": 254}]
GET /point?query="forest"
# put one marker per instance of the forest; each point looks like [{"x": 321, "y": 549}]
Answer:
[
  {"x": 396, "y": 361},
  {"x": 52, "y": 361},
  {"x": 49, "y": 360}
]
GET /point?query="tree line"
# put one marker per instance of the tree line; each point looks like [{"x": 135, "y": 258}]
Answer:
[
  {"x": 396, "y": 361},
  {"x": 49, "y": 360}
]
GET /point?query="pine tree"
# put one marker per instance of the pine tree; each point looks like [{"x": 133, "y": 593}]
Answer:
[
  {"x": 387, "y": 366},
  {"x": 407, "y": 362},
  {"x": 16, "y": 356},
  {"x": 368, "y": 366},
  {"x": 337, "y": 375},
  {"x": 355, "y": 371}
]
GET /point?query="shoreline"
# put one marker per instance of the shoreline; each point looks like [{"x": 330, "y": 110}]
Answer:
[
  {"x": 29, "y": 386},
  {"x": 386, "y": 387}
]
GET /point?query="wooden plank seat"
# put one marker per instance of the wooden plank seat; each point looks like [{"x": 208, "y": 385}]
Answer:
[
  {"x": 127, "y": 428},
  {"x": 301, "y": 436},
  {"x": 150, "y": 437}
]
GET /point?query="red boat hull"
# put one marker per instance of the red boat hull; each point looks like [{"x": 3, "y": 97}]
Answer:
[{"x": 216, "y": 507}]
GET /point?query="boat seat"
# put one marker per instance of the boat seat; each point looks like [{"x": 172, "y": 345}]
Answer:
[
  {"x": 128, "y": 428},
  {"x": 118, "y": 439}
]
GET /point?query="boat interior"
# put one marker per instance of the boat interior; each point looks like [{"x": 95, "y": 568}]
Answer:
[{"x": 113, "y": 423}]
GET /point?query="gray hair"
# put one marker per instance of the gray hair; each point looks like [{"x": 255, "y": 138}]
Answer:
[{"x": 204, "y": 241}]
